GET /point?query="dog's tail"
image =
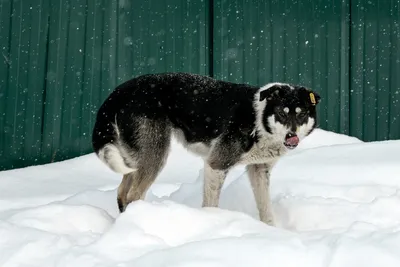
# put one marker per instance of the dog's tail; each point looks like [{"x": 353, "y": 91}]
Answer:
[
  {"x": 113, "y": 156},
  {"x": 111, "y": 149}
]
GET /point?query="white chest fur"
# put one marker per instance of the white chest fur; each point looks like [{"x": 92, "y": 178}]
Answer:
[{"x": 264, "y": 151}]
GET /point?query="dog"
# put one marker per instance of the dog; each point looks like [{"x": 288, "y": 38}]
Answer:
[{"x": 224, "y": 123}]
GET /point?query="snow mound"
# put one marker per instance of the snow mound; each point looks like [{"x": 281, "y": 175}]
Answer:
[
  {"x": 335, "y": 200},
  {"x": 166, "y": 225},
  {"x": 64, "y": 219},
  {"x": 318, "y": 138},
  {"x": 167, "y": 219}
]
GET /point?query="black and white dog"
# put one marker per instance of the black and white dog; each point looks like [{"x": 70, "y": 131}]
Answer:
[{"x": 224, "y": 123}]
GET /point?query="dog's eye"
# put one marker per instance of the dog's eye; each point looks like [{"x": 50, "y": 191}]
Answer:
[
  {"x": 282, "y": 113},
  {"x": 302, "y": 114}
]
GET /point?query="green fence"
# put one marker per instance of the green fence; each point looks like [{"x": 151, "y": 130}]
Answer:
[{"x": 60, "y": 59}]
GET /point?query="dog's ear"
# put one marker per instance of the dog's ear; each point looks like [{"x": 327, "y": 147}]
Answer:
[
  {"x": 313, "y": 97},
  {"x": 270, "y": 92},
  {"x": 316, "y": 97},
  {"x": 310, "y": 96}
]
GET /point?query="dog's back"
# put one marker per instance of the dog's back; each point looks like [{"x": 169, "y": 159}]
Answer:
[{"x": 199, "y": 106}]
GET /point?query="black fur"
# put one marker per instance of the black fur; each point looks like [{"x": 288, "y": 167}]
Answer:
[{"x": 200, "y": 106}]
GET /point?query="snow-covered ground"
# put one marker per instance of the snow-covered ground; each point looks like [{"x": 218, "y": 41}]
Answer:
[{"x": 336, "y": 202}]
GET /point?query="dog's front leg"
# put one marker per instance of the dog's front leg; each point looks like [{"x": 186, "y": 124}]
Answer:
[
  {"x": 259, "y": 175},
  {"x": 224, "y": 155},
  {"x": 213, "y": 182}
]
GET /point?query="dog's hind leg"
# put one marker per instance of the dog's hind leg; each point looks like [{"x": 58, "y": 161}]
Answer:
[
  {"x": 259, "y": 175},
  {"x": 123, "y": 189},
  {"x": 152, "y": 147},
  {"x": 134, "y": 185}
]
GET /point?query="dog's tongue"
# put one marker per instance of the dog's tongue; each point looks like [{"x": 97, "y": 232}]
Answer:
[{"x": 293, "y": 141}]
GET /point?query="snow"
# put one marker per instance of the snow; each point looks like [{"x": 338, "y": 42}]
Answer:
[{"x": 336, "y": 201}]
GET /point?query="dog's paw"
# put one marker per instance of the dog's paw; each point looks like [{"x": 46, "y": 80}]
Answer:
[{"x": 268, "y": 219}]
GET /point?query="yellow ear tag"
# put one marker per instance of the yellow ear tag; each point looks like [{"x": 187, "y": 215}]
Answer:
[{"x": 312, "y": 98}]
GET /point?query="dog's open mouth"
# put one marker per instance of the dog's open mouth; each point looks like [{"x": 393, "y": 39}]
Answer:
[{"x": 291, "y": 140}]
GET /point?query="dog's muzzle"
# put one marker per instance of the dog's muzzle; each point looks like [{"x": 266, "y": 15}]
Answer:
[{"x": 291, "y": 140}]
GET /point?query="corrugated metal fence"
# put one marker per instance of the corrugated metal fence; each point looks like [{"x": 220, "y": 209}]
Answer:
[{"x": 60, "y": 59}]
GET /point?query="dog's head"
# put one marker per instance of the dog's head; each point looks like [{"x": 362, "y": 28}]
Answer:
[{"x": 289, "y": 112}]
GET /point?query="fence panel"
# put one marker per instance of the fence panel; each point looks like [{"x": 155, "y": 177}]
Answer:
[
  {"x": 295, "y": 41},
  {"x": 375, "y": 69},
  {"x": 62, "y": 59},
  {"x": 23, "y": 40}
]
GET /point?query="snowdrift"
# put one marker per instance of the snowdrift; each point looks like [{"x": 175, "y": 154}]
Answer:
[{"x": 336, "y": 202}]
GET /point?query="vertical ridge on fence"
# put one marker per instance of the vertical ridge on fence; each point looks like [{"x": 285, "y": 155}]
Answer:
[
  {"x": 345, "y": 67},
  {"x": 394, "y": 80},
  {"x": 6, "y": 8}
]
